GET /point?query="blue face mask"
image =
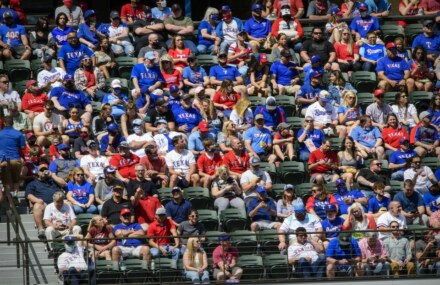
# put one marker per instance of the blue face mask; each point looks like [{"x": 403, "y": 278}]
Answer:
[
  {"x": 215, "y": 19},
  {"x": 117, "y": 91},
  {"x": 342, "y": 190},
  {"x": 70, "y": 248}
]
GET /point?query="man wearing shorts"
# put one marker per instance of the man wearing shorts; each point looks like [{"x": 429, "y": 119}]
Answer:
[
  {"x": 258, "y": 140},
  {"x": 322, "y": 162},
  {"x": 224, "y": 258},
  {"x": 262, "y": 212},
  {"x": 14, "y": 40},
  {"x": 159, "y": 233},
  {"x": 10, "y": 161},
  {"x": 134, "y": 244},
  {"x": 48, "y": 125}
]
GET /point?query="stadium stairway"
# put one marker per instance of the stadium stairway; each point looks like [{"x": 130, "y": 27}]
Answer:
[{"x": 41, "y": 269}]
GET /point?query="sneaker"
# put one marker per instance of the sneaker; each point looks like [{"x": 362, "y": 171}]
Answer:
[{"x": 41, "y": 234}]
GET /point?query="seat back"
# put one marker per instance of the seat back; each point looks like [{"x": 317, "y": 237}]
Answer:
[
  {"x": 198, "y": 196},
  {"x": 18, "y": 69},
  {"x": 252, "y": 266},
  {"x": 209, "y": 219},
  {"x": 277, "y": 266}
]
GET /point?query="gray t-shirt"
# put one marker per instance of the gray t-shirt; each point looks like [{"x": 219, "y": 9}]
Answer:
[
  {"x": 103, "y": 191},
  {"x": 378, "y": 113},
  {"x": 74, "y": 15},
  {"x": 186, "y": 229},
  {"x": 157, "y": 52}
]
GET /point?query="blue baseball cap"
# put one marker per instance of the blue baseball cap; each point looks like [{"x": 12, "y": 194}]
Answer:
[
  {"x": 69, "y": 239},
  {"x": 315, "y": 58},
  {"x": 67, "y": 77},
  {"x": 113, "y": 127},
  {"x": 315, "y": 74},
  {"x": 257, "y": 7},
  {"x": 149, "y": 55},
  {"x": 299, "y": 208},
  {"x": 109, "y": 169},
  {"x": 363, "y": 7},
  {"x": 174, "y": 88},
  {"x": 330, "y": 207},
  {"x": 261, "y": 190},
  {"x": 340, "y": 182},
  {"x": 89, "y": 13},
  {"x": 63, "y": 146},
  {"x": 226, "y": 8},
  {"x": 336, "y": 11},
  {"x": 224, "y": 237}
]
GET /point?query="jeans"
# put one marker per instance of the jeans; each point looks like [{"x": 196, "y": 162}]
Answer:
[
  {"x": 195, "y": 276},
  {"x": 398, "y": 175},
  {"x": 90, "y": 210},
  {"x": 305, "y": 268},
  {"x": 304, "y": 155},
  {"x": 222, "y": 203},
  {"x": 155, "y": 252},
  {"x": 378, "y": 269},
  {"x": 368, "y": 66},
  {"x": 74, "y": 277},
  {"x": 204, "y": 49},
  {"x": 125, "y": 47},
  {"x": 189, "y": 44},
  {"x": 225, "y": 45},
  {"x": 39, "y": 52},
  {"x": 297, "y": 47}
]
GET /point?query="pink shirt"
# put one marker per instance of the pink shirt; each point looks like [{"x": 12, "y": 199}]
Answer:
[
  {"x": 378, "y": 250},
  {"x": 218, "y": 255}
]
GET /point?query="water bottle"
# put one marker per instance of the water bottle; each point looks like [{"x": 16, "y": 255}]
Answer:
[
  {"x": 122, "y": 264},
  {"x": 152, "y": 266}
]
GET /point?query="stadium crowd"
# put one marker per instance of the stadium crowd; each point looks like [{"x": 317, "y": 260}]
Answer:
[{"x": 90, "y": 135}]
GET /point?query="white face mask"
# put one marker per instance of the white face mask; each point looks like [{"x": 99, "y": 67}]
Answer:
[{"x": 138, "y": 131}]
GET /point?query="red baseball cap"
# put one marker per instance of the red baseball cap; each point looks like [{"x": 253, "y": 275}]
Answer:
[
  {"x": 125, "y": 211},
  {"x": 262, "y": 57},
  {"x": 378, "y": 92},
  {"x": 203, "y": 126},
  {"x": 391, "y": 45},
  {"x": 30, "y": 83}
]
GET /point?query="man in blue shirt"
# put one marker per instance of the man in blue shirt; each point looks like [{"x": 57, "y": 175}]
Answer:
[
  {"x": 364, "y": 24},
  {"x": 228, "y": 28},
  {"x": 67, "y": 96},
  {"x": 113, "y": 135},
  {"x": 413, "y": 207},
  {"x": 306, "y": 135},
  {"x": 5, "y": 7},
  {"x": 378, "y": 8},
  {"x": 427, "y": 140},
  {"x": 273, "y": 114},
  {"x": 262, "y": 212},
  {"x": 223, "y": 71},
  {"x": 399, "y": 159},
  {"x": 332, "y": 225},
  {"x": 89, "y": 31},
  {"x": 178, "y": 208},
  {"x": 308, "y": 94},
  {"x": 147, "y": 75},
  {"x": 257, "y": 28},
  {"x": 70, "y": 55},
  {"x": 343, "y": 255},
  {"x": 258, "y": 141},
  {"x": 195, "y": 140},
  {"x": 346, "y": 198},
  {"x": 432, "y": 199},
  {"x": 371, "y": 52},
  {"x": 12, "y": 142},
  {"x": 284, "y": 74},
  {"x": 14, "y": 40},
  {"x": 393, "y": 71},
  {"x": 187, "y": 117},
  {"x": 428, "y": 40}
]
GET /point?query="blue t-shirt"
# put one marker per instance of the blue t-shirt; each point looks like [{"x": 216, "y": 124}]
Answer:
[
  {"x": 85, "y": 33},
  {"x": 353, "y": 195},
  {"x": 271, "y": 118},
  {"x": 409, "y": 204},
  {"x": 394, "y": 68},
  {"x": 352, "y": 115},
  {"x": 257, "y": 29},
  {"x": 195, "y": 141},
  {"x": 374, "y": 7},
  {"x": 80, "y": 192},
  {"x": 332, "y": 228},
  {"x": 72, "y": 56},
  {"x": 60, "y": 36},
  {"x": 262, "y": 213},
  {"x": 435, "y": 117},
  {"x": 190, "y": 117},
  {"x": 194, "y": 76},
  {"x": 158, "y": 14},
  {"x": 53, "y": 167},
  {"x": 129, "y": 242},
  {"x": 116, "y": 142},
  {"x": 146, "y": 78},
  {"x": 178, "y": 212},
  {"x": 431, "y": 201},
  {"x": 224, "y": 72},
  {"x": 307, "y": 70},
  {"x": 257, "y": 137},
  {"x": 174, "y": 102},
  {"x": 308, "y": 92},
  {"x": 370, "y": 52},
  {"x": 334, "y": 250},
  {"x": 284, "y": 72},
  {"x": 431, "y": 44},
  {"x": 11, "y": 35},
  {"x": 119, "y": 109},
  {"x": 374, "y": 204},
  {"x": 437, "y": 174},
  {"x": 426, "y": 135},
  {"x": 399, "y": 157},
  {"x": 69, "y": 99},
  {"x": 12, "y": 141},
  {"x": 202, "y": 41},
  {"x": 317, "y": 137},
  {"x": 364, "y": 25},
  {"x": 366, "y": 137}
]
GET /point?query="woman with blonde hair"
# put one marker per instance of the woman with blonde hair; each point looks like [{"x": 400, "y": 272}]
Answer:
[
  {"x": 347, "y": 52},
  {"x": 242, "y": 115},
  {"x": 171, "y": 75},
  {"x": 80, "y": 193},
  {"x": 195, "y": 262},
  {"x": 348, "y": 111},
  {"x": 228, "y": 133},
  {"x": 225, "y": 190},
  {"x": 98, "y": 234},
  {"x": 211, "y": 115},
  {"x": 335, "y": 26},
  {"x": 357, "y": 220}
]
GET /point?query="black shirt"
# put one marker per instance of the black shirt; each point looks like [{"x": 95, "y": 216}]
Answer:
[
  {"x": 323, "y": 49},
  {"x": 372, "y": 177},
  {"x": 112, "y": 210},
  {"x": 80, "y": 145},
  {"x": 148, "y": 186},
  {"x": 42, "y": 189},
  {"x": 142, "y": 24},
  {"x": 154, "y": 115}
]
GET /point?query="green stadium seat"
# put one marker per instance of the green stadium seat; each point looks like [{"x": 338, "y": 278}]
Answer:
[
  {"x": 278, "y": 190},
  {"x": 211, "y": 241},
  {"x": 364, "y": 81},
  {"x": 297, "y": 123},
  {"x": 411, "y": 31},
  {"x": 336, "y": 143},
  {"x": 245, "y": 241},
  {"x": 18, "y": 69},
  {"x": 164, "y": 195},
  {"x": 165, "y": 270},
  {"x": 431, "y": 162},
  {"x": 125, "y": 65},
  {"x": 198, "y": 196},
  {"x": 233, "y": 219},
  {"x": 277, "y": 266},
  {"x": 252, "y": 266},
  {"x": 389, "y": 97},
  {"x": 268, "y": 240},
  {"x": 135, "y": 271},
  {"x": 20, "y": 86},
  {"x": 287, "y": 103},
  {"x": 292, "y": 172},
  {"x": 106, "y": 272},
  {"x": 209, "y": 219},
  {"x": 391, "y": 32},
  {"x": 270, "y": 169}
]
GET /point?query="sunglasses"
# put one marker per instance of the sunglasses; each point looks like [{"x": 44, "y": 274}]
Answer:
[
  {"x": 345, "y": 34},
  {"x": 308, "y": 121},
  {"x": 126, "y": 215},
  {"x": 379, "y": 164},
  {"x": 140, "y": 170},
  {"x": 5, "y": 82},
  {"x": 43, "y": 169},
  {"x": 394, "y": 227},
  {"x": 71, "y": 38},
  {"x": 417, "y": 162},
  {"x": 194, "y": 216},
  {"x": 317, "y": 33}
]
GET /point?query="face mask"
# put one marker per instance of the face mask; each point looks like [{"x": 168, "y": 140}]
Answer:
[
  {"x": 138, "y": 131},
  {"x": 32, "y": 142},
  {"x": 83, "y": 136},
  {"x": 155, "y": 44},
  {"x": 215, "y": 19},
  {"x": 65, "y": 155},
  {"x": 212, "y": 150},
  {"x": 342, "y": 190},
  {"x": 364, "y": 14},
  {"x": 69, "y": 85},
  {"x": 163, "y": 3},
  {"x": 162, "y": 130},
  {"x": 227, "y": 17},
  {"x": 116, "y": 91},
  {"x": 70, "y": 248},
  {"x": 286, "y": 18},
  {"x": 368, "y": 129}
]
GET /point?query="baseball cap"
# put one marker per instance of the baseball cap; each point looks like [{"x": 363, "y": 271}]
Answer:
[
  {"x": 224, "y": 237},
  {"x": 225, "y": 8},
  {"x": 176, "y": 7},
  {"x": 89, "y": 13},
  {"x": 30, "y": 83},
  {"x": 427, "y": 23},
  {"x": 43, "y": 166},
  {"x": 7, "y": 14},
  {"x": 192, "y": 56},
  {"x": 203, "y": 126},
  {"x": 118, "y": 187},
  {"x": 85, "y": 56},
  {"x": 271, "y": 103},
  {"x": 336, "y": 11},
  {"x": 116, "y": 83},
  {"x": 378, "y": 92},
  {"x": 262, "y": 57},
  {"x": 176, "y": 189},
  {"x": 344, "y": 238},
  {"x": 91, "y": 143},
  {"x": 114, "y": 14},
  {"x": 256, "y": 7},
  {"x": 339, "y": 182},
  {"x": 299, "y": 208},
  {"x": 137, "y": 122},
  {"x": 149, "y": 55},
  {"x": 68, "y": 239},
  {"x": 285, "y": 53},
  {"x": 124, "y": 144},
  {"x": 289, "y": 187},
  {"x": 198, "y": 89},
  {"x": 68, "y": 77},
  {"x": 285, "y": 10},
  {"x": 29, "y": 135},
  {"x": 109, "y": 169},
  {"x": 160, "y": 121},
  {"x": 403, "y": 141},
  {"x": 363, "y": 7},
  {"x": 157, "y": 92},
  {"x": 324, "y": 96},
  {"x": 222, "y": 53},
  {"x": 113, "y": 127},
  {"x": 174, "y": 88},
  {"x": 315, "y": 58},
  {"x": 161, "y": 102},
  {"x": 63, "y": 146},
  {"x": 185, "y": 97},
  {"x": 425, "y": 114},
  {"x": 330, "y": 207},
  {"x": 315, "y": 74},
  {"x": 161, "y": 211},
  {"x": 258, "y": 117},
  {"x": 283, "y": 126},
  {"x": 125, "y": 211},
  {"x": 261, "y": 190},
  {"x": 391, "y": 45},
  {"x": 254, "y": 160}
]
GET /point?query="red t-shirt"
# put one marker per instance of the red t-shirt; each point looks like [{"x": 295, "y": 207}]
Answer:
[
  {"x": 278, "y": 136},
  {"x": 180, "y": 55},
  {"x": 156, "y": 164},
  {"x": 342, "y": 51},
  {"x": 329, "y": 157},
  {"x": 226, "y": 257},
  {"x": 34, "y": 103},
  {"x": 156, "y": 229},
  {"x": 146, "y": 209},
  {"x": 90, "y": 75},
  {"x": 228, "y": 100},
  {"x": 95, "y": 235},
  {"x": 53, "y": 152},
  {"x": 430, "y": 5},
  {"x": 294, "y": 6},
  {"x": 237, "y": 165},
  {"x": 138, "y": 13},
  {"x": 393, "y": 136},
  {"x": 124, "y": 165},
  {"x": 172, "y": 79},
  {"x": 26, "y": 155},
  {"x": 209, "y": 166}
]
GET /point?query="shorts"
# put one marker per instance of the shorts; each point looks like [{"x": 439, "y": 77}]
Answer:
[
  {"x": 327, "y": 177},
  {"x": 217, "y": 271},
  {"x": 264, "y": 156},
  {"x": 265, "y": 225},
  {"x": 131, "y": 251},
  {"x": 12, "y": 173},
  {"x": 18, "y": 51},
  {"x": 291, "y": 89}
]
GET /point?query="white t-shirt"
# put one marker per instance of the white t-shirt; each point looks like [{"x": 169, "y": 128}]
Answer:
[
  {"x": 95, "y": 164},
  {"x": 74, "y": 259},
  {"x": 410, "y": 112},
  {"x": 136, "y": 138},
  {"x": 162, "y": 141},
  {"x": 249, "y": 177},
  {"x": 9, "y": 96},
  {"x": 385, "y": 219},
  {"x": 247, "y": 119},
  {"x": 291, "y": 223},
  {"x": 180, "y": 161},
  {"x": 46, "y": 124},
  {"x": 45, "y": 76},
  {"x": 422, "y": 181},
  {"x": 322, "y": 115},
  {"x": 117, "y": 31},
  {"x": 64, "y": 216},
  {"x": 297, "y": 250}
]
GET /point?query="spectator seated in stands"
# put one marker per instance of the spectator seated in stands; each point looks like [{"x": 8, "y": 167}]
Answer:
[
  {"x": 20, "y": 121},
  {"x": 379, "y": 203},
  {"x": 284, "y": 74},
  {"x": 191, "y": 227},
  {"x": 285, "y": 204},
  {"x": 322, "y": 164},
  {"x": 80, "y": 193},
  {"x": 133, "y": 11},
  {"x": 394, "y": 214},
  {"x": 14, "y": 40},
  {"x": 195, "y": 262},
  {"x": 111, "y": 141},
  {"x": 178, "y": 209},
  {"x": 138, "y": 140},
  {"x": 116, "y": 99},
  {"x": 161, "y": 11},
  {"x": 237, "y": 159},
  {"x": 146, "y": 32},
  {"x": 75, "y": 12},
  {"x": 344, "y": 256},
  {"x": 59, "y": 218},
  {"x": 317, "y": 45},
  {"x": 50, "y": 76},
  {"x": 89, "y": 32},
  {"x": 98, "y": 235},
  {"x": 363, "y": 24},
  {"x": 375, "y": 256},
  {"x": 140, "y": 182},
  {"x": 208, "y": 161},
  {"x": 427, "y": 254},
  {"x": 70, "y": 54},
  {"x": 347, "y": 52},
  {"x": 161, "y": 111},
  {"x": 228, "y": 28},
  {"x": 262, "y": 212},
  {"x": 368, "y": 176},
  {"x": 258, "y": 140},
  {"x": 112, "y": 207},
  {"x": 178, "y": 24},
  {"x": 124, "y": 162},
  {"x": 153, "y": 45},
  {"x": 426, "y": 136},
  {"x": 186, "y": 116},
  {"x": 155, "y": 165},
  {"x": 349, "y": 161},
  {"x": 159, "y": 233},
  {"x": 104, "y": 187},
  {"x": 319, "y": 202},
  {"x": 370, "y": 52},
  {"x": 431, "y": 200},
  {"x": 195, "y": 76},
  {"x": 289, "y": 25},
  {"x": 225, "y": 190},
  {"x": 71, "y": 263},
  {"x": 253, "y": 178},
  {"x": 145, "y": 207},
  {"x": 225, "y": 98},
  {"x": 146, "y": 74},
  {"x": 368, "y": 139},
  {"x": 133, "y": 244},
  {"x": 177, "y": 55},
  {"x": 308, "y": 94},
  {"x": 306, "y": 256},
  {"x": 399, "y": 159},
  {"x": 309, "y": 139},
  {"x": 196, "y": 141},
  {"x": 81, "y": 138},
  {"x": 428, "y": 40},
  {"x": 319, "y": 9},
  {"x": 72, "y": 126},
  {"x": 257, "y": 28},
  {"x": 224, "y": 260},
  {"x": 89, "y": 79},
  {"x": 283, "y": 143},
  {"x": 48, "y": 125},
  {"x": 118, "y": 36},
  {"x": 33, "y": 100},
  {"x": 60, "y": 168},
  {"x": 39, "y": 39},
  {"x": 218, "y": 73},
  {"x": 335, "y": 25},
  {"x": 60, "y": 32},
  {"x": 421, "y": 176},
  {"x": 331, "y": 225},
  {"x": 206, "y": 35},
  {"x": 357, "y": 220},
  {"x": 379, "y": 110},
  {"x": 273, "y": 114},
  {"x": 413, "y": 207}
]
